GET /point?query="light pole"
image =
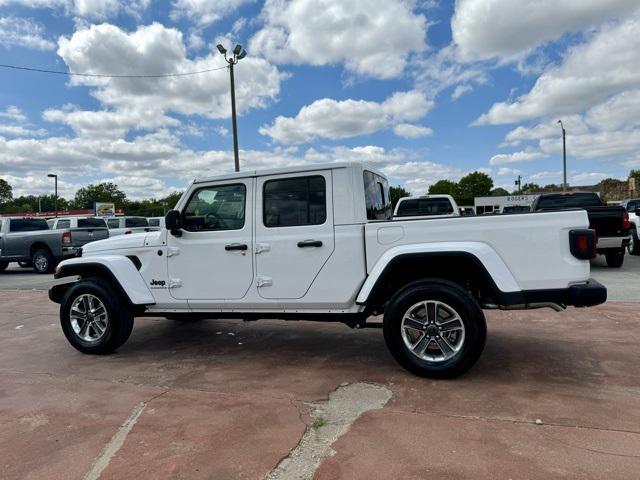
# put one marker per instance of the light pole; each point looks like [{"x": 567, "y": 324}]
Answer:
[
  {"x": 564, "y": 157},
  {"x": 55, "y": 198},
  {"x": 238, "y": 54},
  {"x": 518, "y": 182}
]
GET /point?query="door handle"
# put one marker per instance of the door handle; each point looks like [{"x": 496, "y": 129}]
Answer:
[
  {"x": 310, "y": 243},
  {"x": 235, "y": 246}
]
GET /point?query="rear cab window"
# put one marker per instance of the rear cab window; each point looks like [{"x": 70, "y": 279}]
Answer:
[
  {"x": 376, "y": 194},
  {"x": 28, "y": 225},
  {"x": 113, "y": 223},
  {"x": 91, "y": 223},
  {"x": 154, "y": 222},
  {"x": 424, "y": 207},
  {"x": 574, "y": 200},
  {"x": 135, "y": 222}
]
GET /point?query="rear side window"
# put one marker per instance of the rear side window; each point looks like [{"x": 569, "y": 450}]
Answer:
[
  {"x": 28, "y": 225},
  {"x": 215, "y": 208},
  {"x": 294, "y": 202},
  {"x": 113, "y": 223},
  {"x": 376, "y": 194},
  {"x": 425, "y": 206},
  {"x": 135, "y": 222},
  {"x": 91, "y": 222},
  {"x": 576, "y": 200}
]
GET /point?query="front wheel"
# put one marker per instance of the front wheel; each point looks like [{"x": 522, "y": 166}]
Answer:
[
  {"x": 615, "y": 259},
  {"x": 435, "y": 329},
  {"x": 94, "y": 317}
]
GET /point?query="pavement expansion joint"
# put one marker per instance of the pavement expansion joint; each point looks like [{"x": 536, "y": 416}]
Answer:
[{"x": 332, "y": 418}]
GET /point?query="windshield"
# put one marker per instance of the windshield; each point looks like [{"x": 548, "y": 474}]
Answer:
[{"x": 572, "y": 200}]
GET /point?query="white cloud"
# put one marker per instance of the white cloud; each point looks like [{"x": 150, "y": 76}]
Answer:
[
  {"x": 204, "y": 12},
  {"x": 619, "y": 112},
  {"x": 86, "y": 9},
  {"x": 23, "y": 32},
  {"x": 515, "y": 157},
  {"x": 16, "y": 124},
  {"x": 155, "y": 49},
  {"x": 406, "y": 130},
  {"x": 506, "y": 171},
  {"x": 590, "y": 72},
  {"x": 370, "y": 37},
  {"x": 333, "y": 119},
  {"x": 506, "y": 29},
  {"x": 113, "y": 124},
  {"x": 460, "y": 90}
]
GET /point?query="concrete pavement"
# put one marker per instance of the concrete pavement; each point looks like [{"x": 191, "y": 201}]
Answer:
[{"x": 226, "y": 399}]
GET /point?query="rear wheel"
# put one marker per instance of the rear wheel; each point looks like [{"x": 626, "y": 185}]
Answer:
[
  {"x": 615, "y": 259},
  {"x": 94, "y": 317},
  {"x": 435, "y": 329},
  {"x": 634, "y": 246},
  {"x": 42, "y": 261}
]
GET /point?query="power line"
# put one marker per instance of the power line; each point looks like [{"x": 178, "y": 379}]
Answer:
[{"x": 104, "y": 75}]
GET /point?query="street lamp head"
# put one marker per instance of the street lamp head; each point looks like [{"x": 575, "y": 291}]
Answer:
[
  {"x": 242, "y": 54},
  {"x": 221, "y": 49},
  {"x": 52, "y": 175},
  {"x": 237, "y": 50}
]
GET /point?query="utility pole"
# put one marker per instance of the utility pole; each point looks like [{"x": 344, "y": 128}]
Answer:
[
  {"x": 238, "y": 54},
  {"x": 518, "y": 182},
  {"x": 564, "y": 157},
  {"x": 55, "y": 198}
]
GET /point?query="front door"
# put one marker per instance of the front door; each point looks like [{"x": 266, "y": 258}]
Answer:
[
  {"x": 212, "y": 259},
  {"x": 294, "y": 232}
]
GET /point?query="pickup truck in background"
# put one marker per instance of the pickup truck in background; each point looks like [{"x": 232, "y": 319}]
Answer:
[
  {"x": 127, "y": 225},
  {"x": 610, "y": 222},
  {"x": 318, "y": 242},
  {"x": 29, "y": 240},
  {"x": 633, "y": 210},
  {"x": 427, "y": 206},
  {"x": 78, "y": 232}
]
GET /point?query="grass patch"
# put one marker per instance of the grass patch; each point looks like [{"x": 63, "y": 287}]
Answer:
[{"x": 319, "y": 422}]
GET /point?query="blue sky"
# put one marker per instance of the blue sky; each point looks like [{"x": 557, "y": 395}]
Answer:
[{"x": 424, "y": 90}]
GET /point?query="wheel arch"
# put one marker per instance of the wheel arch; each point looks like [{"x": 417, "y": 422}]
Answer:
[
  {"x": 35, "y": 246},
  {"x": 475, "y": 267},
  {"x": 117, "y": 270}
]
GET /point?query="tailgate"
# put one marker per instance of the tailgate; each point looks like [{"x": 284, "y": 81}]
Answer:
[
  {"x": 82, "y": 236},
  {"x": 607, "y": 221}
]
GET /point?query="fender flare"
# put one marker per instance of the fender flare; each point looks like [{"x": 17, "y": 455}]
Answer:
[
  {"x": 117, "y": 268},
  {"x": 485, "y": 256}
]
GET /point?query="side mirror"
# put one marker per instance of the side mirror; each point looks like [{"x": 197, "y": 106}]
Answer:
[{"x": 173, "y": 222}]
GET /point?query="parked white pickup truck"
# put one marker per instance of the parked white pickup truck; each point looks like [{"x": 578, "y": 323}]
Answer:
[
  {"x": 317, "y": 243},
  {"x": 427, "y": 206},
  {"x": 633, "y": 209}
]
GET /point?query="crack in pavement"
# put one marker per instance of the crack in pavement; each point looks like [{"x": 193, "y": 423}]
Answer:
[{"x": 332, "y": 419}]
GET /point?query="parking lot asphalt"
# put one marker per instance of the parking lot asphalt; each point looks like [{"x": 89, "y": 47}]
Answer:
[{"x": 555, "y": 395}]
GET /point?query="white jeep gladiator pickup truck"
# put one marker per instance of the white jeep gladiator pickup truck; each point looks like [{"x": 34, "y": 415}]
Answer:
[{"x": 318, "y": 243}]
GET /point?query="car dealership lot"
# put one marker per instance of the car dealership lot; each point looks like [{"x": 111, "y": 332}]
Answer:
[{"x": 226, "y": 399}]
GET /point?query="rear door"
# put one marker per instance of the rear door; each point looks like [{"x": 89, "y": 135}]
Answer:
[{"x": 294, "y": 232}]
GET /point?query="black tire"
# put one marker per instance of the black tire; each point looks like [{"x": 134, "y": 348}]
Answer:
[
  {"x": 471, "y": 344},
  {"x": 634, "y": 247},
  {"x": 615, "y": 259},
  {"x": 3, "y": 266},
  {"x": 120, "y": 319},
  {"x": 25, "y": 264},
  {"x": 42, "y": 261}
]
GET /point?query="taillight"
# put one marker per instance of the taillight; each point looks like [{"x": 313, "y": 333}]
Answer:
[
  {"x": 626, "y": 224},
  {"x": 66, "y": 238},
  {"x": 582, "y": 244}
]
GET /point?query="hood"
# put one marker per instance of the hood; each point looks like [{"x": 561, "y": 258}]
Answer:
[{"x": 133, "y": 240}]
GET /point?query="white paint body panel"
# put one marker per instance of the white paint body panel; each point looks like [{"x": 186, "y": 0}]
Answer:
[{"x": 520, "y": 252}]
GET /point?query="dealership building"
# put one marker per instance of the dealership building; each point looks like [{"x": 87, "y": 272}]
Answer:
[{"x": 496, "y": 204}]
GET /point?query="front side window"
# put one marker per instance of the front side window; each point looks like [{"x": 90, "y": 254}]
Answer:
[
  {"x": 113, "y": 223},
  {"x": 216, "y": 208},
  {"x": 291, "y": 202},
  {"x": 376, "y": 194}
]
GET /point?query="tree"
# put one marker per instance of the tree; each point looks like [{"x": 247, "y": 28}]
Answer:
[
  {"x": 530, "y": 188},
  {"x": 475, "y": 184},
  {"x": 99, "y": 192},
  {"x": 396, "y": 193},
  {"x": 445, "y": 187},
  {"x": 499, "y": 192},
  {"x": 6, "y": 192},
  {"x": 173, "y": 198}
]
